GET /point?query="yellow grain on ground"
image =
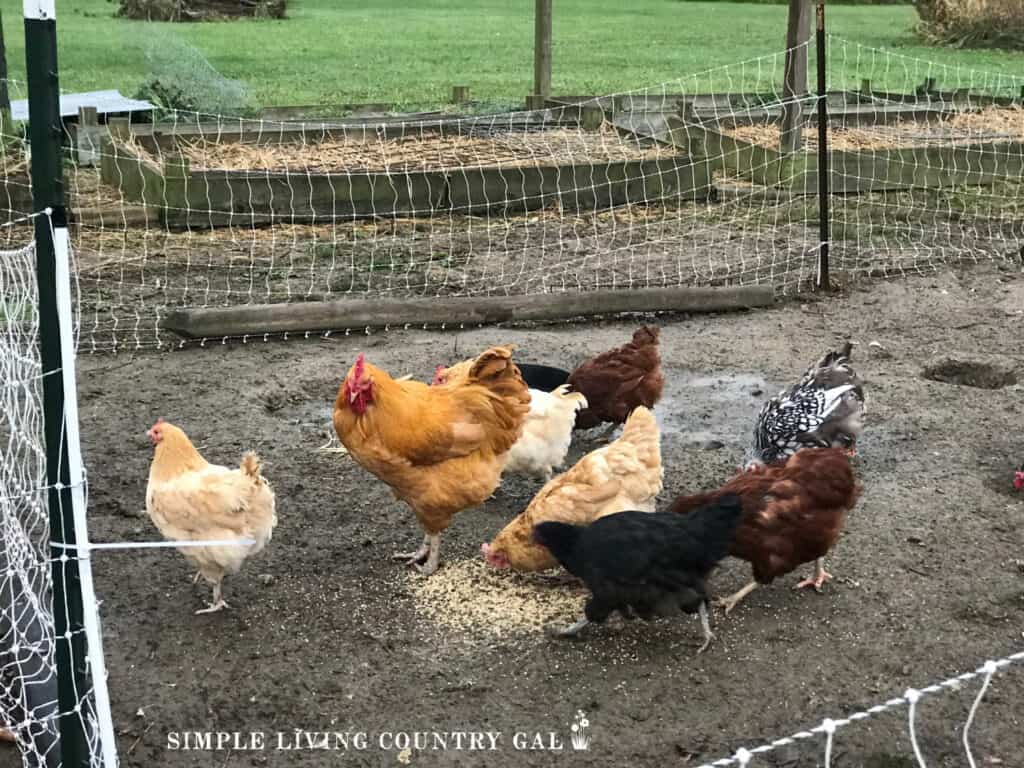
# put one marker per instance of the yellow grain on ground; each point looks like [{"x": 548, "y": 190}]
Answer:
[{"x": 468, "y": 596}]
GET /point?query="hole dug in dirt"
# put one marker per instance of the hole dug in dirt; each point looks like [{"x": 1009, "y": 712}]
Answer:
[{"x": 990, "y": 373}]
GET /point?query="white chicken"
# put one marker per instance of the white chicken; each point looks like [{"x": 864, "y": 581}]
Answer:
[
  {"x": 547, "y": 433},
  {"x": 189, "y": 499}
]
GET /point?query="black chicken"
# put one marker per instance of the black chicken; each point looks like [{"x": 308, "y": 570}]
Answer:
[{"x": 645, "y": 564}]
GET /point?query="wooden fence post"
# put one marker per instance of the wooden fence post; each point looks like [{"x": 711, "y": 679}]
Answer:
[
  {"x": 794, "y": 84},
  {"x": 542, "y": 49}
]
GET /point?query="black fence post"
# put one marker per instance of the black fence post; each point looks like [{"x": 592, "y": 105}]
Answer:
[
  {"x": 823, "y": 283},
  {"x": 46, "y": 138}
]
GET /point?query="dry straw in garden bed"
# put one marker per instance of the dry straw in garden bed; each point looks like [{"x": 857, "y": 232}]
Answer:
[
  {"x": 424, "y": 152},
  {"x": 989, "y": 124},
  {"x": 468, "y": 596}
]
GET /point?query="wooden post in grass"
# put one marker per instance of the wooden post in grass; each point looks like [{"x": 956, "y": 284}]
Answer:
[
  {"x": 460, "y": 94},
  {"x": 6, "y": 126},
  {"x": 794, "y": 82},
  {"x": 542, "y": 49}
]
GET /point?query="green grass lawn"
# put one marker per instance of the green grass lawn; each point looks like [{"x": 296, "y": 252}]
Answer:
[{"x": 331, "y": 51}]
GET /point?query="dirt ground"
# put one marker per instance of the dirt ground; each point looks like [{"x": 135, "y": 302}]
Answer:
[{"x": 326, "y": 634}]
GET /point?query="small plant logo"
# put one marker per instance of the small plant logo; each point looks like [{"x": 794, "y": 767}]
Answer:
[{"x": 580, "y": 740}]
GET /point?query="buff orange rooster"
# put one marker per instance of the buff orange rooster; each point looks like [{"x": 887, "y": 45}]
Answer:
[
  {"x": 441, "y": 449},
  {"x": 189, "y": 499}
]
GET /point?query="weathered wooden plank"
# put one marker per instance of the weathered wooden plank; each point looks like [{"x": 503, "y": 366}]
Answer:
[
  {"x": 138, "y": 179},
  {"x": 360, "y": 313},
  {"x": 578, "y": 187}
]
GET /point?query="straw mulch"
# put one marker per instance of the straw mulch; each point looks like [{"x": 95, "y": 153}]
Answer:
[
  {"x": 989, "y": 124},
  {"x": 423, "y": 152}
]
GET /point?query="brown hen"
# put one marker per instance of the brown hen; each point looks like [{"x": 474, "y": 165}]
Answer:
[
  {"x": 619, "y": 380},
  {"x": 793, "y": 512}
]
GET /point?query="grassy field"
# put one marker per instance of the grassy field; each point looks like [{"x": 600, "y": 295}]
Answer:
[{"x": 412, "y": 52}]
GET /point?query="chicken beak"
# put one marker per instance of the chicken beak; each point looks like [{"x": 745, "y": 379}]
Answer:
[{"x": 352, "y": 396}]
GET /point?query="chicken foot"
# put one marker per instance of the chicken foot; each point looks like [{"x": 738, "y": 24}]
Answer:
[
  {"x": 572, "y": 630},
  {"x": 728, "y": 603},
  {"x": 426, "y": 558},
  {"x": 218, "y": 603},
  {"x": 818, "y": 579}
]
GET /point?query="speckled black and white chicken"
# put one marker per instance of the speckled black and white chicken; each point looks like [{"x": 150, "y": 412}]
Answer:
[{"x": 824, "y": 409}]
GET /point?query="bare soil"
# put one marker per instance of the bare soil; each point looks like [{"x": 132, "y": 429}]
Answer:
[{"x": 326, "y": 634}]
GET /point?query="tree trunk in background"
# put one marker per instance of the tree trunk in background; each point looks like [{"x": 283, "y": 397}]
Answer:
[{"x": 794, "y": 81}]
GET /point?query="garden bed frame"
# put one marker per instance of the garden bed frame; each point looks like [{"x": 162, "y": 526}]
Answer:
[{"x": 181, "y": 197}]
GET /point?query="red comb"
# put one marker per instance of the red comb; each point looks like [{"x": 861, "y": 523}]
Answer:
[
  {"x": 360, "y": 364},
  {"x": 159, "y": 419}
]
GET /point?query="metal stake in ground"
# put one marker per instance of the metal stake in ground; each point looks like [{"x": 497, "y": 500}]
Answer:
[
  {"x": 46, "y": 134},
  {"x": 823, "y": 283}
]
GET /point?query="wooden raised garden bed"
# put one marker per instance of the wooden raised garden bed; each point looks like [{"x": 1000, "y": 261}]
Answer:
[
  {"x": 951, "y": 149},
  {"x": 290, "y": 175}
]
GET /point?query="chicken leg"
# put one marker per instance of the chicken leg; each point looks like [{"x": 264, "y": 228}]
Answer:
[
  {"x": 735, "y": 599},
  {"x": 706, "y": 626},
  {"x": 818, "y": 579},
  {"x": 218, "y": 603}
]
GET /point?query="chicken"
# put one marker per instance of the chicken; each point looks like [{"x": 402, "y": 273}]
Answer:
[
  {"x": 189, "y": 499},
  {"x": 824, "y": 409},
  {"x": 617, "y": 381},
  {"x": 645, "y": 564},
  {"x": 6, "y": 735},
  {"x": 1018, "y": 478},
  {"x": 793, "y": 512},
  {"x": 625, "y": 474},
  {"x": 440, "y": 448},
  {"x": 547, "y": 433}
]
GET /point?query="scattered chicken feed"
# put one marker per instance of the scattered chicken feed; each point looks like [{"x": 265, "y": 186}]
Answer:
[
  {"x": 989, "y": 124},
  {"x": 468, "y": 596},
  {"x": 420, "y": 152}
]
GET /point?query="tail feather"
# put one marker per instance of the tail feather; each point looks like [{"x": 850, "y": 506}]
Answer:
[
  {"x": 641, "y": 430},
  {"x": 646, "y": 334},
  {"x": 251, "y": 465},
  {"x": 834, "y": 357},
  {"x": 565, "y": 392}
]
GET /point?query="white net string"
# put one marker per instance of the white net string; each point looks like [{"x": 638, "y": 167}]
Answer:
[
  {"x": 28, "y": 690},
  {"x": 29, "y": 706},
  {"x": 684, "y": 183}
]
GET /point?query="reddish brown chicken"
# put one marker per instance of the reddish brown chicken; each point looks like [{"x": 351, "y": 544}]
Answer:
[
  {"x": 617, "y": 381},
  {"x": 793, "y": 512}
]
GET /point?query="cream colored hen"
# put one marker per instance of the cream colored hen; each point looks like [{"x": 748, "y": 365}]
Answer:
[
  {"x": 625, "y": 474},
  {"x": 189, "y": 499}
]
